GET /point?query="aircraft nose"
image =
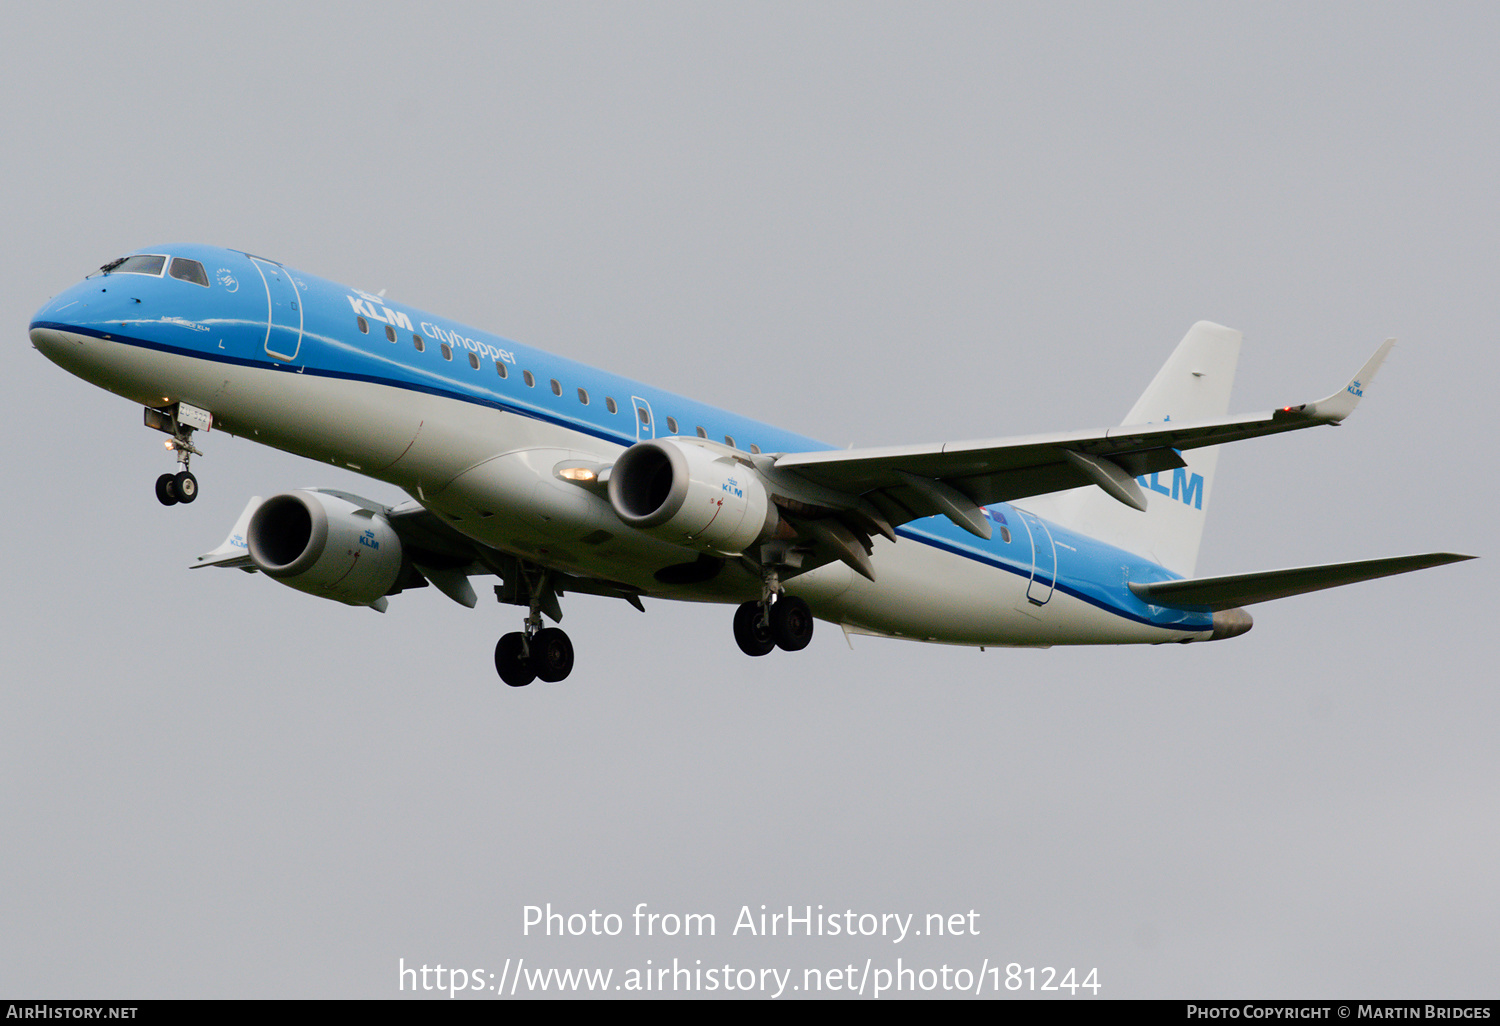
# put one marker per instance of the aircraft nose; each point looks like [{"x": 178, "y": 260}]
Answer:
[
  {"x": 49, "y": 328},
  {"x": 62, "y": 347}
]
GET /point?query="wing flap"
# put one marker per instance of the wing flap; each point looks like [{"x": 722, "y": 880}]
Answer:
[{"x": 1221, "y": 593}]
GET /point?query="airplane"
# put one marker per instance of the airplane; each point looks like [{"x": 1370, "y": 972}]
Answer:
[{"x": 559, "y": 478}]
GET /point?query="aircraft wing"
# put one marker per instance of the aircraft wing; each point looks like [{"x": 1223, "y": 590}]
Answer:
[
  {"x": 1218, "y": 593},
  {"x": 905, "y": 483}
]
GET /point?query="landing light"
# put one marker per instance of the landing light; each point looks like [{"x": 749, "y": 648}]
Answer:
[{"x": 583, "y": 475}]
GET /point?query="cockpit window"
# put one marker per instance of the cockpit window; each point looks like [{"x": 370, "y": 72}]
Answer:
[
  {"x": 141, "y": 263},
  {"x": 184, "y": 269}
]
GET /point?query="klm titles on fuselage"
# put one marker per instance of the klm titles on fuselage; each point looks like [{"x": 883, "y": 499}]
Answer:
[{"x": 373, "y": 309}]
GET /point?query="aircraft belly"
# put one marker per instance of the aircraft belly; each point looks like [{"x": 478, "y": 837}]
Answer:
[{"x": 359, "y": 425}]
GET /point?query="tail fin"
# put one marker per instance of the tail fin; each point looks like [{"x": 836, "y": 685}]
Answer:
[{"x": 1192, "y": 385}]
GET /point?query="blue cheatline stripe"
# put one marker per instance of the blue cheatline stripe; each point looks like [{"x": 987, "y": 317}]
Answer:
[{"x": 197, "y": 354}]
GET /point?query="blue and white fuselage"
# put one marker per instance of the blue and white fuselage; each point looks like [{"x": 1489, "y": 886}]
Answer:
[{"x": 512, "y": 448}]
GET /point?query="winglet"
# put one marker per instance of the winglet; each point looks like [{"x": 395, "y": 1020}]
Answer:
[
  {"x": 233, "y": 551},
  {"x": 1336, "y": 407}
]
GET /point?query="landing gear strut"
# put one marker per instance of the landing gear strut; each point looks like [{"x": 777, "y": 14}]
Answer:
[
  {"x": 181, "y": 486},
  {"x": 778, "y": 620},
  {"x": 537, "y": 653}
]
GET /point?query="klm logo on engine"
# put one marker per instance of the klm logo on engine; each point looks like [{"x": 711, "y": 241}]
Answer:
[
  {"x": 368, "y": 540},
  {"x": 733, "y": 488},
  {"x": 1186, "y": 488}
]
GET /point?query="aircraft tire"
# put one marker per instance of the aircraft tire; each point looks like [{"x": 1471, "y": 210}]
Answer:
[
  {"x": 751, "y": 632},
  {"x": 551, "y": 654},
  {"x": 186, "y": 486},
  {"x": 513, "y": 669},
  {"x": 166, "y": 491},
  {"x": 791, "y": 623}
]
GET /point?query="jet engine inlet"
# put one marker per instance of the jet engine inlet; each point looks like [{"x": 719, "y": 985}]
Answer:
[
  {"x": 692, "y": 495},
  {"x": 325, "y": 546}
]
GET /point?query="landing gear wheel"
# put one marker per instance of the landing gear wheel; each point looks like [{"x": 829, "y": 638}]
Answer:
[
  {"x": 791, "y": 623},
  {"x": 185, "y": 485},
  {"x": 751, "y": 631},
  {"x": 512, "y": 666},
  {"x": 166, "y": 490},
  {"x": 551, "y": 654}
]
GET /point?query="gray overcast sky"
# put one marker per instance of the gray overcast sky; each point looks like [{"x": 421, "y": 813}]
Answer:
[{"x": 872, "y": 223}]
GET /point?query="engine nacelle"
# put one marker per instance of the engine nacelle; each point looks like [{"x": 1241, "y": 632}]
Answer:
[
  {"x": 692, "y": 495},
  {"x": 325, "y": 546}
]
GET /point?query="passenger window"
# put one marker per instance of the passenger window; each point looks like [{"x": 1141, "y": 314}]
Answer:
[
  {"x": 526, "y": 377},
  {"x": 701, "y": 432},
  {"x": 474, "y": 360},
  {"x": 583, "y": 397},
  {"x": 1005, "y": 534},
  {"x": 755, "y": 448},
  {"x": 609, "y": 404},
  {"x": 556, "y": 388},
  {"x": 390, "y": 333},
  {"x": 501, "y": 369},
  {"x": 416, "y": 340},
  {"x": 184, "y": 269},
  {"x": 447, "y": 351},
  {"x": 645, "y": 415},
  {"x": 729, "y": 441},
  {"x": 364, "y": 325},
  {"x": 672, "y": 425}
]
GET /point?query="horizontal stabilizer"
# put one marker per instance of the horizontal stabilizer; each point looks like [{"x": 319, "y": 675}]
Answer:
[{"x": 1219, "y": 593}]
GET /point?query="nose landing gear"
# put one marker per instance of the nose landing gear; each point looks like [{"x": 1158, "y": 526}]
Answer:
[
  {"x": 178, "y": 421},
  {"x": 174, "y": 488}
]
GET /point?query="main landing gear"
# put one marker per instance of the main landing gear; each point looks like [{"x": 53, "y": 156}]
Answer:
[
  {"x": 536, "y": 653},
  {"x": 522, "y": 657},
  {"x": 778, "y": 620}
]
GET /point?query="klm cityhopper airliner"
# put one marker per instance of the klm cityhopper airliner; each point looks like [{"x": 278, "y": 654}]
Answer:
[{"x": 557, "y": 478}]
